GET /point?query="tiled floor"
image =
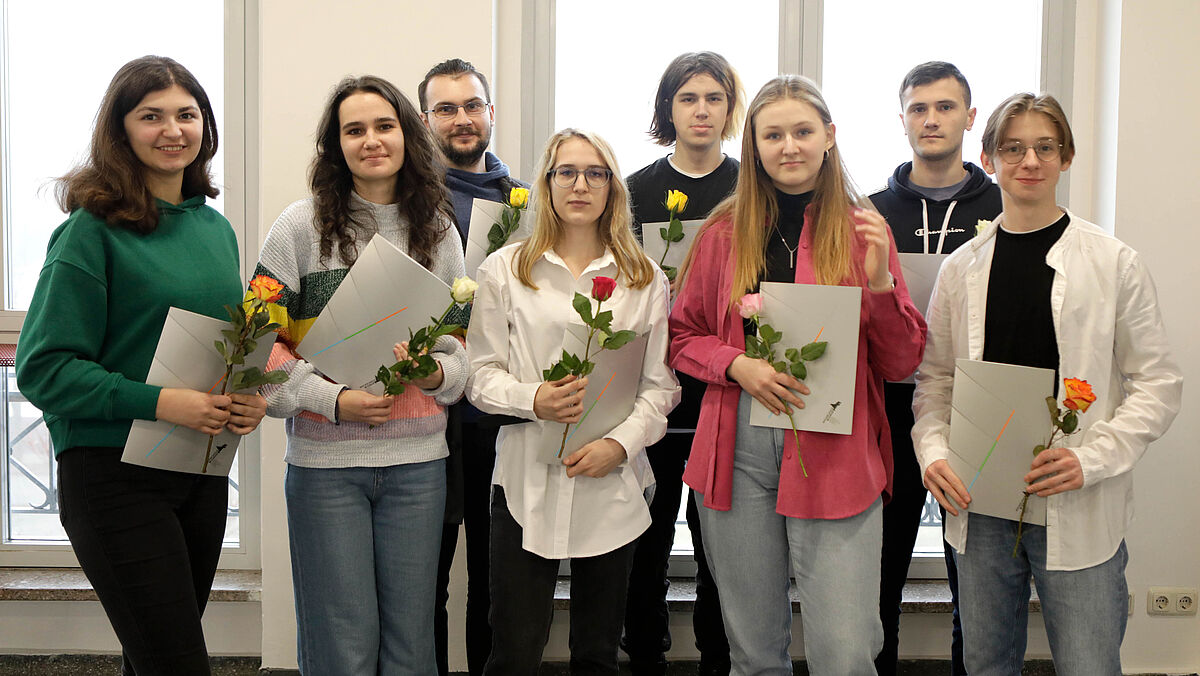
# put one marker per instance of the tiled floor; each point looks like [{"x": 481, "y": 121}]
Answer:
[{"x": 97, "y": 665}]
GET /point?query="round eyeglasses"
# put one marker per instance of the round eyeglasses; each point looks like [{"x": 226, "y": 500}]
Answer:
[
  {"x": 1014, "y": 152},
  {"x": 445, "y": 111},
  {"x": 565, "y": 177}
]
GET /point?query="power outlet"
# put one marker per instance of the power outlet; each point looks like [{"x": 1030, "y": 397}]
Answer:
[{"x": 1171, "y": 601}]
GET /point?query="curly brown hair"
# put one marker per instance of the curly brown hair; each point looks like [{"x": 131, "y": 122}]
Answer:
[
  {"x": 420, "y": 195},
  {"x": 110, "y": 183}
]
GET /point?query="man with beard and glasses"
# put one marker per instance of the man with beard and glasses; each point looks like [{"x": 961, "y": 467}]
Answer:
[
  {"x": 457, "y": 107},
  {"x": 932, "y": 205}
]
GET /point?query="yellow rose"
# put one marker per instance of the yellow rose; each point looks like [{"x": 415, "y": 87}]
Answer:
[
  {"x": 463, "y": 289},
  {"x": 676, "y": 201},
  {"x": 518, "y": 198}
]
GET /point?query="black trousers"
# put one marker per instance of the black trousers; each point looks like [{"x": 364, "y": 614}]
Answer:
[
  {"x": 148, "y": 541},
  {"x": 479, "y": 458},
  {"x": 522, "y": 585},
  {"x": 647, "y": 637},
  {"x": 901, "y": 523}
]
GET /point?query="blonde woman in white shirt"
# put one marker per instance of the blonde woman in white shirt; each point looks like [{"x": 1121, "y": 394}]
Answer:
[{"x": 591, "y": 508}]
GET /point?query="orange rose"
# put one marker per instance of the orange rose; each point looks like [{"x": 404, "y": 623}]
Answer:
[
  {"x": 1078, "y": 394},
  {"x": 266, "y": 288}
]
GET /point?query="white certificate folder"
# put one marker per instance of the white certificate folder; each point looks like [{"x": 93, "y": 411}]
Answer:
[
  {"x": 384, "y": 296},
  {"x": 998, "y": 415},
  {"x": 808, "y": 313},
  {"x": 187, "y": 358},
  {"x": 654, "y": 245},
  {"x": 607, "y": 402},
  {"x": 485, "y": 214}
]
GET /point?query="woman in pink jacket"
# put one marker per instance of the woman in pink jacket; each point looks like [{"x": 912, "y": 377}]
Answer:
[{"x": 792, "y": 218}]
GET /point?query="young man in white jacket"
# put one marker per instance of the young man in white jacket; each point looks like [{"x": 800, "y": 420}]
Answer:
[{"x": 1042, "y": 287}]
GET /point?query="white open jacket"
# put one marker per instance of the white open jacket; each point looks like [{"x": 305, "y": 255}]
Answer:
[{"x": 1109, "y": 333}]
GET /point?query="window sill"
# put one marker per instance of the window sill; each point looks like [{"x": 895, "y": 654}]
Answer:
[
  {"x": 920, "y": 596},
  {"x": 70, "y": 584}
]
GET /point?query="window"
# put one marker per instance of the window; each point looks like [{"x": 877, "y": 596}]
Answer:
[
  {"x": 53, "y": 74},
  {"x": 859, "y": 63}
]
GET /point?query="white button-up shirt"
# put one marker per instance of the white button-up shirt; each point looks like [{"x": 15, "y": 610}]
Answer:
[
  {"x": 515, "y": 333},
  {"x": 1110, "y": 333}
]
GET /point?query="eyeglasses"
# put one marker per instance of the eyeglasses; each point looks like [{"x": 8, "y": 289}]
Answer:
[
  {"x": 445, "y": 111},
  {"x": 1014, "y": 152},
  {"x": 565, "y": 177}
]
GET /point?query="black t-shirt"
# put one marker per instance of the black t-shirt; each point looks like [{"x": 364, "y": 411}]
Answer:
[
  {"x": 1019, "y": 325},
  {"x": 648, "y": 188}
]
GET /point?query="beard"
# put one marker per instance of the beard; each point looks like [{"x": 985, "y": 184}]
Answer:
[{"x": 469, "y": 155}]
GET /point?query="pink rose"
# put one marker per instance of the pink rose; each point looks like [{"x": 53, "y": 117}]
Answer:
[{"x": 750, "y": 305}]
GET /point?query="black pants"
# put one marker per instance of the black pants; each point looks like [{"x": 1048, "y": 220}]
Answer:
[
  {"x": 901, "y": 523},
  {"x": 148, "y": 541},
  {"x": 479, "y": 458},
  {"x": 647, "y": 636},
  {"x": 522, "y": 587}
]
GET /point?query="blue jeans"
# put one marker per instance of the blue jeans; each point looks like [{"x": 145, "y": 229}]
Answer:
[
  {"x": 365, "y": 544},
  {"x": 835, "y": 561},
  {"x": 1084, "y": 609}
]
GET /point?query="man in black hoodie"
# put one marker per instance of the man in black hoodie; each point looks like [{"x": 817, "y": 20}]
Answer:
[{"x": 932, "y": 204}]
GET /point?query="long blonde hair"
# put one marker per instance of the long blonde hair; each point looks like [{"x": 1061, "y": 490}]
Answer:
[
  {"x": 753, "y": 208},
  {"x": 615, "y": 225}
]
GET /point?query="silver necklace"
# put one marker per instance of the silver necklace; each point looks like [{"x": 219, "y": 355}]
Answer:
[{"x": 791, "y": 250}]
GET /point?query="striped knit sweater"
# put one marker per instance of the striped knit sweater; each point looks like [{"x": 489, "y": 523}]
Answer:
[{"x": 415, "y": 431}]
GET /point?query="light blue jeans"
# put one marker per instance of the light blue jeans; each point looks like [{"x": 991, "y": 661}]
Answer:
[
  {"x": 1085, "y": 610},
  {"x": 836, "y": 565},
  {"x": 365, "y": 543}
]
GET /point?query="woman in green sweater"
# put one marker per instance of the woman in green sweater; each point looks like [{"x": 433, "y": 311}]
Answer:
[{"x": 139, "y": 240}]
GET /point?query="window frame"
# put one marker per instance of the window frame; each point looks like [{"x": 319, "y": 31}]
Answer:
[
  {"x": 801, "y": 24},
  {"x": 236, "y": 141}
]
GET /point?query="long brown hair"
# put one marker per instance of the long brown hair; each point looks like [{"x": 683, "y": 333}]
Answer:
[
  {"x": 753, "y": 208},
  {"x": 111, "y": 182},
  {"x": 420, "y": 194},
  {"x": 615, "y": 225}
]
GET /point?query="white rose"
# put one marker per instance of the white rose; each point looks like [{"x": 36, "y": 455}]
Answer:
[{"x": 463, "y": 290}]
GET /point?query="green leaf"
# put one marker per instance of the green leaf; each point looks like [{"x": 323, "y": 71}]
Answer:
[
  {"x": 275, "y": 377},
  {"x": 792, "y": 354},
  {"x": 220, "y": 345},
  {"x": 813, "y": 351},
  {"x": 1038, "y": 449},
  {"x": 1070, "y": 422},
  {"x": 617, "y": 340},
  {"x": 586, "y": 368},
  {"x": 496, "y": 236},
  {"x": 572, "y": 362},
  {"x": 671, "y": 272},
  {"x": 556, "y": 372},
  {"x": 662, "y": 232},
  {"x": 675, "y": 231},
  {"x": 769, "y": 335},
  {"x": 583, "y": 305},
  {"x": 236, "y": 381},
  {"x": 603, "y": 321},
  {"x": 236, "y": 358},
  {"x": 395, "y": 387},
  {"x": 231, "y": 335},
  {"x": 1052, "y": 406},
  {"x": 779, "y": 366},
  {"x": 249, "y": 346},
  {"x": 799, "y": 370}
]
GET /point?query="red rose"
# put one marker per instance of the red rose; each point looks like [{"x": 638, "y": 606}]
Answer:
[{"x": 602, "y": 288}]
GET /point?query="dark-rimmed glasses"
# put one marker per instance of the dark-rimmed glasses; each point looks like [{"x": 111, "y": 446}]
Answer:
[
  {"x": 565, "y": 177},
  {"x": 445, "y": 111}
]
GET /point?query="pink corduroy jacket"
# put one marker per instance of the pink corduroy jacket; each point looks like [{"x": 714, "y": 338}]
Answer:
[{"x": 846, "y": 473}]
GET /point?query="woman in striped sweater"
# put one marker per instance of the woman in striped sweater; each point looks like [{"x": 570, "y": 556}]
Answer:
[{"x": 365, "y": 481}]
